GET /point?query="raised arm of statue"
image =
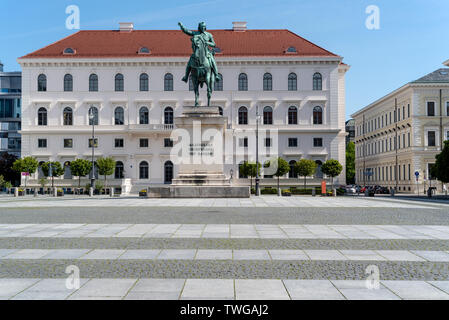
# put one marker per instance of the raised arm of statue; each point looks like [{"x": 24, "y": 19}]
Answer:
[{"x": 185, "y": 30}]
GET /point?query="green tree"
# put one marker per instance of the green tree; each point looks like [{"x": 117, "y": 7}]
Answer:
[
  {"x": 281, "y": 166},
  {"x": 350, "y": 163},
  {"x": 6, "y": 163},
  {"x": 27, "y": 164},
  {"x": 80, "y": 168},
  {"x": 305, "y": 168},
  {"x": 441, "y": 168},
  {"x": 2, "y": 181},
  {"x": 106, "y": 167},
  {"x": 332, "y": 168},
  {"x": 56, "y": 170},
  {"x": 248, "y": 169}
]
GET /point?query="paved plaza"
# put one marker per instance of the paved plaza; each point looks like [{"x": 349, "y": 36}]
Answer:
[{"x": 232, "y": 249}]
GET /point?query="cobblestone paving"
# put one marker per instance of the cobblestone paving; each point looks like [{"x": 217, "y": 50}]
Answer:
[{"x": 297, "y": 248}]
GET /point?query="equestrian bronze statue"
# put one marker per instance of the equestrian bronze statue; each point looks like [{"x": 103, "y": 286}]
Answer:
[{"x": 201, "y": 67}]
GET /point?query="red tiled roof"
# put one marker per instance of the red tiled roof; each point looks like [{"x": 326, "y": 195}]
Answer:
[{"x": 173, "y": 43}]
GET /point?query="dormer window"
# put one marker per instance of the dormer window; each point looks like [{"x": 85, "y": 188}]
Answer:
[
  {"x": 291, "y": 50},
  {"x": 144, "y": 50},
  {"x": 69, "y": 51}
]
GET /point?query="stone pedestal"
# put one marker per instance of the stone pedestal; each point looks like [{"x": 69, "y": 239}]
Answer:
[{"x": 200, "y": 158}]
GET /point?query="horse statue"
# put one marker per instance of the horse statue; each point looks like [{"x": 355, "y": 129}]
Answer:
[{"x": 201, "y": 67}]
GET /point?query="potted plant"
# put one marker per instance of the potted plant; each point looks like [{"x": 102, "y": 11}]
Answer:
[
  {"x": 99, "y": 186},
  {"x": 286, "y": 193},
  {"x": 143, "y": 193},
  {"x": 21, "y": 192},
  {"x": 60, "y": 193}
]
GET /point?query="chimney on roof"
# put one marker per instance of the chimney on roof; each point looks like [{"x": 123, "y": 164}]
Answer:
[
  {"x": 239, "y": 26},
  {"x": 126, "y": 26}
]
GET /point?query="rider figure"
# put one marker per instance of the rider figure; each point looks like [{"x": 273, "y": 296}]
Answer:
[{"x": 209, "y": 40}]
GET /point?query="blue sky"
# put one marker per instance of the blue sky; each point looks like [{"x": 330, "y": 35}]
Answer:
[{"x": 411, "y": 42}]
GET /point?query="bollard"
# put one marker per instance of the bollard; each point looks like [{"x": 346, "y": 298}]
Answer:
[
  {"x": 111, "y": 191},
  {"x": 91, "y": 192},
  {"x": 16, "y": 192},
  {"x": 55, "y": 192},
  {"x": 334, "y": 192},
  {"x": 35, "y": 192}
]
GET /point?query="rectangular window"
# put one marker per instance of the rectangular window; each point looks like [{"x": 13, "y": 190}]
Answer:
[
  {"x": 268, "y": 142},
  {"x": 431, "y": 138},
  {"x": 168, "y": 143},
  {"x": 93, "y": 142},
  {"x": 431, "y": 108},
  {"x": 408, "y": 111},
  {"x": 119, "y": 143},
  {"x": 408, "y": 134},
  {"x": 317, "y": 142},
  {"x": 243, "y": 142},
  {"x": 292, "y": 142},
  {"x": 42, "y": 143},
  {"x": 143, "y": 143},
  {"x": 68, "y": 143}
]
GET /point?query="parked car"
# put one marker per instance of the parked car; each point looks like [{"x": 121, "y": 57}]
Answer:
[{"x": 350, "y": 189}]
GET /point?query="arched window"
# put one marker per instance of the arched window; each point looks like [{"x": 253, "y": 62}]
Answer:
[
  {"x": 143, "y": 81},
  {"x": 119, "y": 82},
  {"x": 144, "y": 116},
  {"x": 168, "y": 115},
  {"x": 40, "y": 172},
  {"x": 42, "y": 117},
  {"x": 220, "y": 111},
  {"x": 292, "y": 174},
  {"x": 94, "y": 120},
  {"x": 168, "y": 172},
  {"x": 68, "y": 82},
  {"x": 317, "y": 81},
  {"x": 243, "y": 115},
  {"x": 168, "y": 82},
  {"x": 218, "y": 85},
  {"x": 292, "y": 115},
  {"x": 317, "y": 115},
  {"x": 243, "y": 82},
  {"x": 143, "y": 170},
  {"x": 119, "y": 170},
  {"x": 119, "y": 116},
  {"x": 93, "y": 82},
  {"x": 267, "y": 82},
  {"x": 318, "y": 172},
  {"x": 42, "y": 82},
  {"x": 67, "y": 171},
  {"x": 292, "y": 82},
  {"x": 67, "y": 116},
  {"x": 267, "y": 115},
  {"x": 190, "y": 83}
]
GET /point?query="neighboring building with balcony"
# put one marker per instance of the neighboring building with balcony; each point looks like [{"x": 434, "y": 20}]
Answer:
[
  {"x": 401, "y": 133},
  {"x": 10, "y": 111},
  {"x": 133, "y": 80}
]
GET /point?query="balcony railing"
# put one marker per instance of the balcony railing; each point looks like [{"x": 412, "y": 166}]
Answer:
[{"x": 152, "y": 127}]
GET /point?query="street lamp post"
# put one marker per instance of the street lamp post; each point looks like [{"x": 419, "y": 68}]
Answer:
[
  {"x": 92, "y": 120},
  {"x": 257, "y": 151}
]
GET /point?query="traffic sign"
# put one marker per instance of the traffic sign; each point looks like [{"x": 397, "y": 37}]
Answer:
[{"x": 416, "y": 173}]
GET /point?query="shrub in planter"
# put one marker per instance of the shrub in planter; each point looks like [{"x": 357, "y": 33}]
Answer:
[
  {"x": 268, "y": 190},
  {"x": 21, "y": 192},
  {"x": 286, "y": 193},
  {"x": 143, "y": 193},
  {"x": 301, "y": 191},
  {"x": 60, "y": 193}
]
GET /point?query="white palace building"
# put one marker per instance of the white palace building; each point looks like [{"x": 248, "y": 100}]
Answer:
[{"x": 133, "y": 80}]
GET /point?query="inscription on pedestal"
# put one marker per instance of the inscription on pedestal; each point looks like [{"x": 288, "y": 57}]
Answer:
[{"x": 201, "y": 149}]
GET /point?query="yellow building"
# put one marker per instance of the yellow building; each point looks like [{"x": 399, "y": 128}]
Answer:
[{"x": 399, "y": 135}]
